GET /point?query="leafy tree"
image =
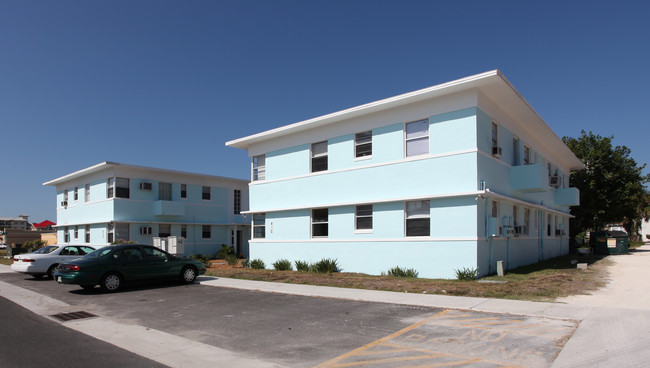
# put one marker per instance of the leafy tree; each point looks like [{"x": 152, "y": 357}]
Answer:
[{"x": 611, "y": 185}]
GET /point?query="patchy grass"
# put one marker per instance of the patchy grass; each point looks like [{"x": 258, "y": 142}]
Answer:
[{"x": 544, "y": 281}]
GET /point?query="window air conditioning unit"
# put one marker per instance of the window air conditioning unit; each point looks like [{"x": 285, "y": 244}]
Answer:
[
  {"x": 145, "y": 186},
  {"x": 64, "y": 203},
  {"x": 555, "y": 181},
  {"x": 496, "y": 151}
]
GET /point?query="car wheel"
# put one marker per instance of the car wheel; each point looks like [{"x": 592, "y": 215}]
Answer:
[
  {"x": 188, "y": 274},
  {"x": 51, "y": 271},
  {"x": 111, "y": 282},
  {"x": 87, "y": 287}
]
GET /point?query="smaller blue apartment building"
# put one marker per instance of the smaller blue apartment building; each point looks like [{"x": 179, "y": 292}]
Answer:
[
  {"x": 458, "y": 175},
  {"x": 110, "y": 201}
]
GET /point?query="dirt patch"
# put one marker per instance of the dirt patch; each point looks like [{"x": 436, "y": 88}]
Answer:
[{"x": 544, "y": 281}]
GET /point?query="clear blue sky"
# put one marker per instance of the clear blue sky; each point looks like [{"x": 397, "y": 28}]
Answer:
[{"x": 167, "y": 83}]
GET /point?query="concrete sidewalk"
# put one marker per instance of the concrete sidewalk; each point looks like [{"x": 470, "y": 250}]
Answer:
[{"x": 614, "y": 323}]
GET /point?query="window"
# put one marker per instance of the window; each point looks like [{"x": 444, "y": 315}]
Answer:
[
  {"x": 495, "y": 135},
  {"x": 65, "y": 197},
  {"x": 164, "y": 230},
  {"x": 319, "y": 156},
  {"x": 206, "y": 232},
  {"x": 364, "y": 217},
  {"x": 164, "y": 191},
  {"x": 363, "y": 144},
  {"x": 87, "y": 233},
  {"x": 76, "y": 194},
  {"x": 87, "y": 193},
  {"x": 122, "y": 231},
  {"x": 206, "y": 193},
  {"x": 259, "y": 167},
  {"x": 515, "y": 151},
  {"x": 117, "y": 188},
  {"x": 418, "y": 218},
  {"x": 76, "y": 232},
  {"x": 526, "y": 155},
  {"x": 66, "y": 235},
  {"x": 548, "y": 225},
  {"x": 154, "y": 253},
  {"x": 145, "y": 230},
  {"x": 319, "y": 223},
  {"x": 417, "y": 138},
  {"x": 110, "y": 231},
  {"x": 515, "y": 215},
  {"x": 183, "y": 190},
  {"x": 237, "y": 202},
  {"x": 184, "y": 231},
  {"x": 495, "y": 208},
  {"x": 259, "y": 225},
  {"x": 526, "y": 221}
]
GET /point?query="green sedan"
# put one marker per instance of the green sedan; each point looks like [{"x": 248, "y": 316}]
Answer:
[{"x": 112, "y": 266}]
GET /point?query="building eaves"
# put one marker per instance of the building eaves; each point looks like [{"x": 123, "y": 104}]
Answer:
[{"x": 107, "y": 164}]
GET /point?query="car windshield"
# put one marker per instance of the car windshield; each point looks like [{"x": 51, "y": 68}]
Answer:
[
  {"x": 99, "y": 252},
  {"x": 46, "y": 250}
]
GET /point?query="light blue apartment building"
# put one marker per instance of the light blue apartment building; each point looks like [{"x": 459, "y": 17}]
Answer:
[
  {"x": 191, "y": 213},
  {"x": 458, "y": 175}
]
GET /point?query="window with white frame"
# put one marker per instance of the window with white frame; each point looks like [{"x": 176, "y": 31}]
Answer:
[
  {"x": 66, "y": 235},
  {"x": 259, "y": 225},
  {"x": 117, "y": 188},
  {"x": 122, "y": 231},
  {"x": 495, "y": 135},
  {"x": 164, "y": 230},
  {"x": 76, "y": 232},
  {"x": 319, "y": 223},
  {"x": 164, "y": 191},
  {"x": 526, "y": 221},
  {"x": 110, "y": 233},
  {"x": 259, "y": 167},
  {"x": 363, "y": 214},
  {"x": 87, "y": 193},
  {"x": 418, "y": 218},
  {"x": 65, "y": 197},
  {"x": 87, "y": 233},
  {"x": 184, "y": 191},
  {"x": 237, "y": 202},
  {"x": 76, "y": 194},
  {"x": 363, "y": 144},
  {"x": 205, "y": 193},
  {"x": 184, "y": 231},
  {"x": 319, "y": 156},
  {"x": 417, "y": 138},
  {"x": 206, "y": 231},
  {"x": 526, "y": 155}
]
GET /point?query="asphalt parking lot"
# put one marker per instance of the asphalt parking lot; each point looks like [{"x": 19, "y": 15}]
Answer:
[{"x": 299, "y": 331}]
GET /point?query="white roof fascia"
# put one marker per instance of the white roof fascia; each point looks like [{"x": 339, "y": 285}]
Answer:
[
  {"x": 107, "y": 164},
  {"x": 491, "y": 81},
  {"x": 391, "y": 102}
]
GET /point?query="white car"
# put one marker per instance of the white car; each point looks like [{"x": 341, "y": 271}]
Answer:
[{"x": 43, "y": 261}]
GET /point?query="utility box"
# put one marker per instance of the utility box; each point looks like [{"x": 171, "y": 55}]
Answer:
[
  {"x": 176, "y": 245},
  {"x": 609, "y": 242}
]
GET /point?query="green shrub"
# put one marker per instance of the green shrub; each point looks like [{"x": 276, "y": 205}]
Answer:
[
  {"x": 403, "y": 272},
  {"x": 325, "y": 265},
  {"x": 205, "y": 259},
  {"x": 302, "y": 266},
  {"x": 466, "y": 274},
  {"x": 246, "y": 263},
  {"x": 258, "y": 264},
  {"x": 225, "y": 251},
  {"x": 231, "y": 260},
  {"x": 282, "y": 265}
]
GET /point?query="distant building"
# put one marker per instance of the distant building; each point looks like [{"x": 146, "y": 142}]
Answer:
[
  {"x": 43, "y": 225},
  {"x": 645, "y": 230},
  {"x": 17, "y": 223},
  {"x": 112, "y": 202},
  {"x": 458, "y": 175}
]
